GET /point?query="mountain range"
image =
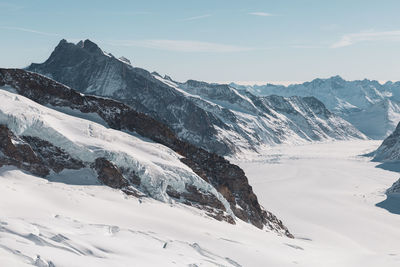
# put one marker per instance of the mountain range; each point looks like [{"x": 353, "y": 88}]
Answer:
[
  {"x": 372, "y": 107},
  {"x": 216, "y": 117}
]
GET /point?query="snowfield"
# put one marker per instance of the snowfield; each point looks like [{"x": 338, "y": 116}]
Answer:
[{"x": 325, "y": 193}]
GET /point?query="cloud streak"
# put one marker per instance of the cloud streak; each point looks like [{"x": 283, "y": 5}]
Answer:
[
  {"x": 353, "y": 38},
  {"x": 9, "y": 6},
  {"x": 197, "y": 17},
  {"x": 182, "y": 45},
  {"x": 29, "y": 30},
  {"x": 261, "y": 14}
]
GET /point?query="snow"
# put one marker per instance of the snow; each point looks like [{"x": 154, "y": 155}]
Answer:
[
  {"x": 325, "y": 193},
  {"x": 372, "y": 107},
  {"x": 156, "y": 165},
  {"x": 249, "y": 127}
]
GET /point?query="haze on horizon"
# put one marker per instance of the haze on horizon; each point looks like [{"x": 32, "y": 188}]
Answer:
[{"x": 240, "y": 41}]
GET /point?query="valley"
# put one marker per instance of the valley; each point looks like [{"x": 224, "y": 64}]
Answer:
[{"x": 326, "y": 193}]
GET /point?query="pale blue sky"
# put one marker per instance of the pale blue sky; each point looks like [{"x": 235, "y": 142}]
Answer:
[{"x": 292, "y": 40}]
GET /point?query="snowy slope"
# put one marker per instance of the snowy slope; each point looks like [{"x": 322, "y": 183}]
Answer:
[
  {"x": 389, "y": 150},
  {"x": 372, "y": 107},
  {"x": 41, "y": 156},
  {"x": 156, "y": 165},
  {"x": 330, "y": 195}
]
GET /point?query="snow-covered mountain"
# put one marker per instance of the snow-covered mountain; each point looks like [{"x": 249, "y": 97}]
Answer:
[
  {"x": 389, "y": 154},
  {"x": 373, "y": 108},
  {"x": 65, "y": 133},
  {"x": 218, "y": 118},
  {"x": 389, "y": 150}
]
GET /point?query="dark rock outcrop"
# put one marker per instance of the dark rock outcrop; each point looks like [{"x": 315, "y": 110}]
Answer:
[
  {"x": 14, "y": 151},
  {"x": 53, "y": 157},
  {"x": 227, "y": 178},
  {"x": 109, "y": 174},
  {"x": 33, "y": 154},
  {"x": 389, "y": 150}
]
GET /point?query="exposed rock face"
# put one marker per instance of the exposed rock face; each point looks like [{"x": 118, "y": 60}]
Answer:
[
  {"x": 227, "y": 178},
  {"x": 33, "y": 154},
  {"x": 203, "y": 200},
  {"x": 14, "y": 151},
  {"x": 394, "y": 189},
  {"x": 52, "y": 156},
  {"x": 216, "y": 117},
  {"x": 109, "y": 174},
  {"x": 389, "y": 150}
]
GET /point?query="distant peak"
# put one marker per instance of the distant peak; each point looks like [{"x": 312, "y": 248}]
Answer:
[{"x": 336, "y": 78}]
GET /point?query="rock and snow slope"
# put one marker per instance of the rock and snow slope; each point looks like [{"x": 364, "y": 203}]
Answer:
[
  {"x": 373, "y": 108},
  {"x": 261, "y": 121},
  {"x": 389, "y": 150},
  {"x": 156, "y": 165},
  {"x": 217, "y": 118},
  {"x": 329, "y": 198},
  {"x": 389, "y": 153},
  {"x": 114, "y": 165}
]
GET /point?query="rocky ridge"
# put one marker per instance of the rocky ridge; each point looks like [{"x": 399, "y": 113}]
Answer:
[
  {"x": 227, "y": 178},
  {"x": 218, "y": 118}
]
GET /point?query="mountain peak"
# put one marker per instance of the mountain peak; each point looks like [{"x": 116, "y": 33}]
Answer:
[
  {"x": 91, "y": 46},
  {"x": 336, "y": 78}
]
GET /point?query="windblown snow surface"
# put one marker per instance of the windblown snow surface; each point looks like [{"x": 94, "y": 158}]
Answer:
[{"x": 325, "y": 193}]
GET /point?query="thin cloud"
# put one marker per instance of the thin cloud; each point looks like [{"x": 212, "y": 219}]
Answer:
[
  {"x": 261, "y": 14},
  {"x": 353, "y": 38},
  {"x": 182, "y": 45},
  {"x": 28, "y": 30},
  {"x": 9, "y": 6},
  {"x": 196, "y": 17}
]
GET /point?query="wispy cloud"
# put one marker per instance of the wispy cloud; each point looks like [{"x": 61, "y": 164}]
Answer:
[
  {"x": 196, "y": 17},
  {"x": 353, "y": 38},
  {"x": 261, "y": 14},
  {"x": 182, "y": 45},
  {"x": 10, "y": 6},
  {"x": 28, "y": 30}
]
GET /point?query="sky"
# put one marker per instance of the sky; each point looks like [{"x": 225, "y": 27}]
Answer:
[{"x": 244, "y": 41}]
